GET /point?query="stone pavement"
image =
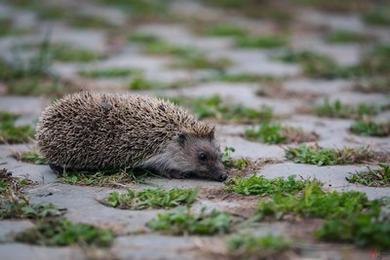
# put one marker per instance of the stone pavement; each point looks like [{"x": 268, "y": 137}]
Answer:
[{"x": 185, "y": 26}]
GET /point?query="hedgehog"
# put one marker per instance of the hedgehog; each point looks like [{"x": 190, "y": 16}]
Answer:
[{"x": 96, "y": 131}]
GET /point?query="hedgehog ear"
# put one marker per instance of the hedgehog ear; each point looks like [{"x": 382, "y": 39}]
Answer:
[
  {"x": 212, "y": 134},
  {"x": 181, "y": 138}
]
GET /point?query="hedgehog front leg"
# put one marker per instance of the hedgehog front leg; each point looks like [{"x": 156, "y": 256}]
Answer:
[{"x": 175, "y": 174}]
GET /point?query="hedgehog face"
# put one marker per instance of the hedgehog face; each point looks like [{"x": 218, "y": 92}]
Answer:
[{"x": 202, "y": 158}]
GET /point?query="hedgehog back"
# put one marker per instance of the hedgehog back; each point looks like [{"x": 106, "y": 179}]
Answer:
[{"x": 98, "y": 131}]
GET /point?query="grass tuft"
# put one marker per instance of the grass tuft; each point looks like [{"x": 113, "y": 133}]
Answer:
[
  {"x": 259, "y": 185},
  {"x": 273, "y": 133},
  {"x": 225, "y": 29},
  {"x": 213, "y": 107},
  {"x": 108, "y": 72},
  {"x": 183, "y": 222},
  {"x": 229, "y": 162},
  {"x": 151, "y": 198},
  {"x": 379, "y": 177},
  {"x": 68, "y": 53},
  {"x": 342, "y": 36},
  {"x": 337, "y": 109},
  {"x": 62, "y": 232},
  {"x": 107, "y": 178},
  {"x": 264, "y": 41},
  {"x": 349, "y": 216},
  {"x": 246, "y": 246},
  {"x": 370, "y": 128},
  {"x": 32, "y": 156},
  {"x": 327, "y": 156},
  {"x": 10, "y": 132},
  {"x": 378, "y": 16}
]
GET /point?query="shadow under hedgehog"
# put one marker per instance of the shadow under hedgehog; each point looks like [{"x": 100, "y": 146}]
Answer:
[{"x": 92, "y": 131}]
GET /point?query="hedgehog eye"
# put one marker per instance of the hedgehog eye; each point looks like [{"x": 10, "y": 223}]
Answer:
[{"x": 202, "y": 157}]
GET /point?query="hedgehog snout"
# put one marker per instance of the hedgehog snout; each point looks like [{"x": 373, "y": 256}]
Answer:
[{"x": 222, "y": 177}]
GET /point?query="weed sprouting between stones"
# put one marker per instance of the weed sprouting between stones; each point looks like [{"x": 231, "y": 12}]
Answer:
[
  {"x": 264, "y": 41},
  {"x": 113, "y": 72},
  {"x": 14, "y": 205},
  {"x": 31, "y": 156},
  {"x": 31, "y": 76},
  {"x": 378, "y": 16},
  {"x": 274, "y": 133},
  {"x": 244, "y": 77},
  {"x": 259, "y": 185},
  {"x": 370, "y": 128},
  {"x": 375, "y": 84},
  {"x": 151, "y": 198},
  {"x": 10, "y": 133},
  {"x": 107, "y": 178},
  {"x": 185, "y": 57},
  {"x": 62, "y": 232},
  {"x": 226, "y": 29},
  {"x": 68, "y": 53},
  {"x": 349, "y": 216},
  {"x": 327, "y": 156},
  {"x": 337, "y": 109},
  {"x": 213, "y": 107},
  {"x": 229, "y": 162},
  {"x": 247, "y": 246},
  {"x": 182, "y": 222},
  {"x": 379, "y": 177},
  {"x": 343, "y": 36}
]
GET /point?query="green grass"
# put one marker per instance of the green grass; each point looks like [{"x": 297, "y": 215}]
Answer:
[
  {"x": 379, "y": 177},
  {"x": 6, "y": 26},
  {"x": 13, "y": 203},
  {"x": 109, "y": 72},
  {"x": 140, "y": 9},
  {"x": 343, "y": 36},
  {"x": 226, "y": 29},
  {"x": 140, "y": 82},
  {"x": 213, "y": 107},
  {"x": 31, "y": 76},
  {"x": 370, "y": 128},
  {"x": 32, "y": 156},
  {"x": 244, "y": 77},
  {"x": 68, "y": 53},
  {"x": 379, "y": 16},
  {"x": 197, "y": 60},
  {"x": 362, "y": 230},
  {"x": 337, "y": 109},
  {"x": 80, "y": 20},
  {"x": 270, "y": 133},
  {"x": 274, "y": 133},
  {"x": 185, "y": 56},
  {"x": 107, "y": 178},
  {"x": 21, "y": 208},
  {"x": 376, "y": 61},
  {"x": 375, "y": 84},
  {"x": 247, "y": 246},
  {"x": 327, "y": 156},
  {"x": 259, "y": 185},
  {"x": 11, "y": 133},
  {"x": 229, "y": 162},
  {"x": 184, "y": 222},
  {"x": 151, "y": 198},
  {"x": 314, "y": 202},
  {"x": 63, "y": 232},
  {"x": 349, "y": 216},
  {"x": 317, "y": 65},
  {"x": 264, "y": 41}
]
